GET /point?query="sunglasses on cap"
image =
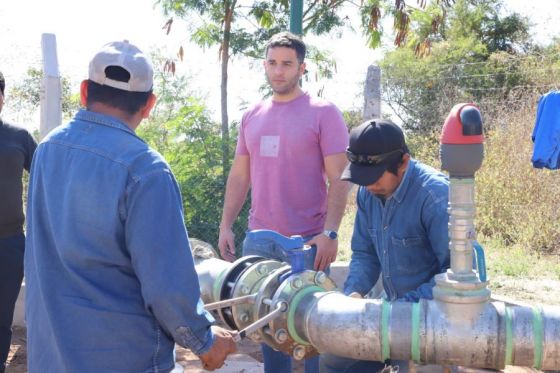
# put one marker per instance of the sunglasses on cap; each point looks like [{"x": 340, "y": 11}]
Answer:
[{"x": 370, "y": 160}]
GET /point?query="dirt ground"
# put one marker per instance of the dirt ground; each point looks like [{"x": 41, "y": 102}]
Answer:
[
  {"x": 17, "y": 358},
  {"x": 249, "y": 359}
]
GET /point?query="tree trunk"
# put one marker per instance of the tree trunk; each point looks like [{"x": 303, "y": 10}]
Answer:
[{"x": 228, "y": 11}]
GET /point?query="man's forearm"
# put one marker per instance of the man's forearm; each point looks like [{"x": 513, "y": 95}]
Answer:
[
  {"x": 337, "y": 196},
  {"x": 236, "y": 193},
  {"x": 237, "y": 186}
]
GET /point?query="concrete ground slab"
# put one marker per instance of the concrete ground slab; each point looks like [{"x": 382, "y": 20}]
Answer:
[{"x": 234, "y": 364}]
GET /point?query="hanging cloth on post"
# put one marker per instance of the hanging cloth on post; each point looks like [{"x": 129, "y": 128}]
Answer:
[{"x": 546, "y": 134}]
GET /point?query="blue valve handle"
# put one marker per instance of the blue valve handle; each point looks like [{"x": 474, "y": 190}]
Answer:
[
  {"x": 286, "y": 243},
  {"x": 480, "y": 261},
  {"x": 292, "y": 246}
]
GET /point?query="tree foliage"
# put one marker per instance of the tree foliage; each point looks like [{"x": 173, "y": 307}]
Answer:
[
  {"x": 242, "y": 28},
  {"x": 181, "y": 129},
  {"x": 476, "y": 58},
  {"x": 25, "y": 96}
]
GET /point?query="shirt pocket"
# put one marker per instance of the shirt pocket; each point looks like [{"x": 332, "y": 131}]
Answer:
[{"x": 411, "y": 254}]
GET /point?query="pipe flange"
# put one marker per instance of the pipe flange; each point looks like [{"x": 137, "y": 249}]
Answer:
[
  {"x": 452, "y": 291},
  {"x": 248, "y": 283},
  {"x": 295, "y": 290},
  {"x": 464, "y": 282},
  {"x": 263, "y": 302},
  {"x": 229, "y": 280}
]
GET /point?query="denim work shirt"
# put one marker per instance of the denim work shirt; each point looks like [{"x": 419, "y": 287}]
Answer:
[
  {"x": 111, "y": 283},
  {"x": 405, "y": 239}
]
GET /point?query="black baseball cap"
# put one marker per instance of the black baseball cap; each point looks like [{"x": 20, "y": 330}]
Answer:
[
  {"x": 373, "y": 146},
  {"x": 2, "y": 83}
]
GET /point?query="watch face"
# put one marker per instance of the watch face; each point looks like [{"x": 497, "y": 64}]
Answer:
[{"x": 331, "y": 234}]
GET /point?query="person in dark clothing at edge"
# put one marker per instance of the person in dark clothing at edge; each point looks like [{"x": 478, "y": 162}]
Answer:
[
  {"x": 111, "y": 282},
  {"x": 16, "y": 151},
  {"x": 401, "y": 227}
]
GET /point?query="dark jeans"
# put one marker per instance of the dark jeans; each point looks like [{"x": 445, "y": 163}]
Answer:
[
  {"x": 11, "y": 275},
  {"x": 276, "y": 361},
  {"x": 335, "y": 364}
]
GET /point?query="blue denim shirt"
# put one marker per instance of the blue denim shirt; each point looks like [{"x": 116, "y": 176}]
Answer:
[
  {"x": 405, "y": 239},
  {"x": 110, "y": 279}
]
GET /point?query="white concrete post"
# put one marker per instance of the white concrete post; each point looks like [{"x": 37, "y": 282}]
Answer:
[
  {"x": 372, "y": 93},
  {"x": 51, "y": 89},
  {"x": 51, "y": 117}
]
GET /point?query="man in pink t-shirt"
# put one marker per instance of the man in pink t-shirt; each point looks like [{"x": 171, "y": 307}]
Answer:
[{"x": 289, "y": 148}]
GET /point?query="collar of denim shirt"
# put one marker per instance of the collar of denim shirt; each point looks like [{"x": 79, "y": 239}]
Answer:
[{"x": 106, "y": 120}]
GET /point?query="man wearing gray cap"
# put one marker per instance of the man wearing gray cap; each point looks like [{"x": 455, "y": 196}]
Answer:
[
  {"x": 111, "y": 284},
  {"x": 16, "y": 151},
  {"x": 400, "y": 230}
]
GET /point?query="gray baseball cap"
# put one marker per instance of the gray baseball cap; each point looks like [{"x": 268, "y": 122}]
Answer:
[{"x": 127, "y": 56}]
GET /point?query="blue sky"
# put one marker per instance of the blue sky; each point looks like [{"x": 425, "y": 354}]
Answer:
[{"x": 82, "y": 27}]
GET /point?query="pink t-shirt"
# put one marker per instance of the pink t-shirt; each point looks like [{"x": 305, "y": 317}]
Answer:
[{"x": 286, "y": 143}]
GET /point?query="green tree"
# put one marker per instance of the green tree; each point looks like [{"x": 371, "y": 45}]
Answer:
[
  {"x": 181, "y": 129},
  {"x": 475, "y": 58},
  {"x": 353, "y": 118},
  {"x": 241, "y": 28},
  {"x": 482, "y": 20},
  {"x": 25, "y": 96}
]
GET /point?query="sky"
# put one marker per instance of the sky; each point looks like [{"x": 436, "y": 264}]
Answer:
[{"x": 81, "y": 28}]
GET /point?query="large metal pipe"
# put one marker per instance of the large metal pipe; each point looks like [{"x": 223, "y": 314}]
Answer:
[
  {"x": 480, "y": 335},
  {"x": 435, "y": 332}
]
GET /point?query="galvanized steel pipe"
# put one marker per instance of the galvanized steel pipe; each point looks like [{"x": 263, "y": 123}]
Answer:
[
  {"x": 461, "y": 226},
  {"x": 434, "y": 332},
  {"x": 479, "y": 335}
]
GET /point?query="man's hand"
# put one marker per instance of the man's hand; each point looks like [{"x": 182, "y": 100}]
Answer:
[
  {"x": 326, "y": 251},
  {"x": 222, "y": 347},
  {"x": 226, "y": 244}
]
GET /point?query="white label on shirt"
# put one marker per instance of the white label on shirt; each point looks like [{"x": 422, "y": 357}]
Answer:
[{"x": 269, "y": 146}]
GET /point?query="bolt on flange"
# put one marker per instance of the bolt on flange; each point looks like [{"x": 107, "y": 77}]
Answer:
[
  {"x": 320, "y": 278},
  {"x": 299, "y": 352},
  {"x": 281, "y": 336},
  {"x": 297, "y": 283}
]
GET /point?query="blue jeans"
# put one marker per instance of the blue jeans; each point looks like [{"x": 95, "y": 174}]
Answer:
[
  {"x": 330, "y": 363},
  {"x": 276, "y": 361},
  {"x": 335, "y": 364},
  {"x": 11, "y": 274}
]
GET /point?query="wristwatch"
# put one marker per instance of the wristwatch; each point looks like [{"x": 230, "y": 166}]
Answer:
[{"x": 330, "y": 234}]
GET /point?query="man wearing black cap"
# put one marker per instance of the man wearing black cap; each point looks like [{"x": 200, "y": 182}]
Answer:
[
  {"x": 16, "y": 150},
  {"x": 400, "y": 230}
]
